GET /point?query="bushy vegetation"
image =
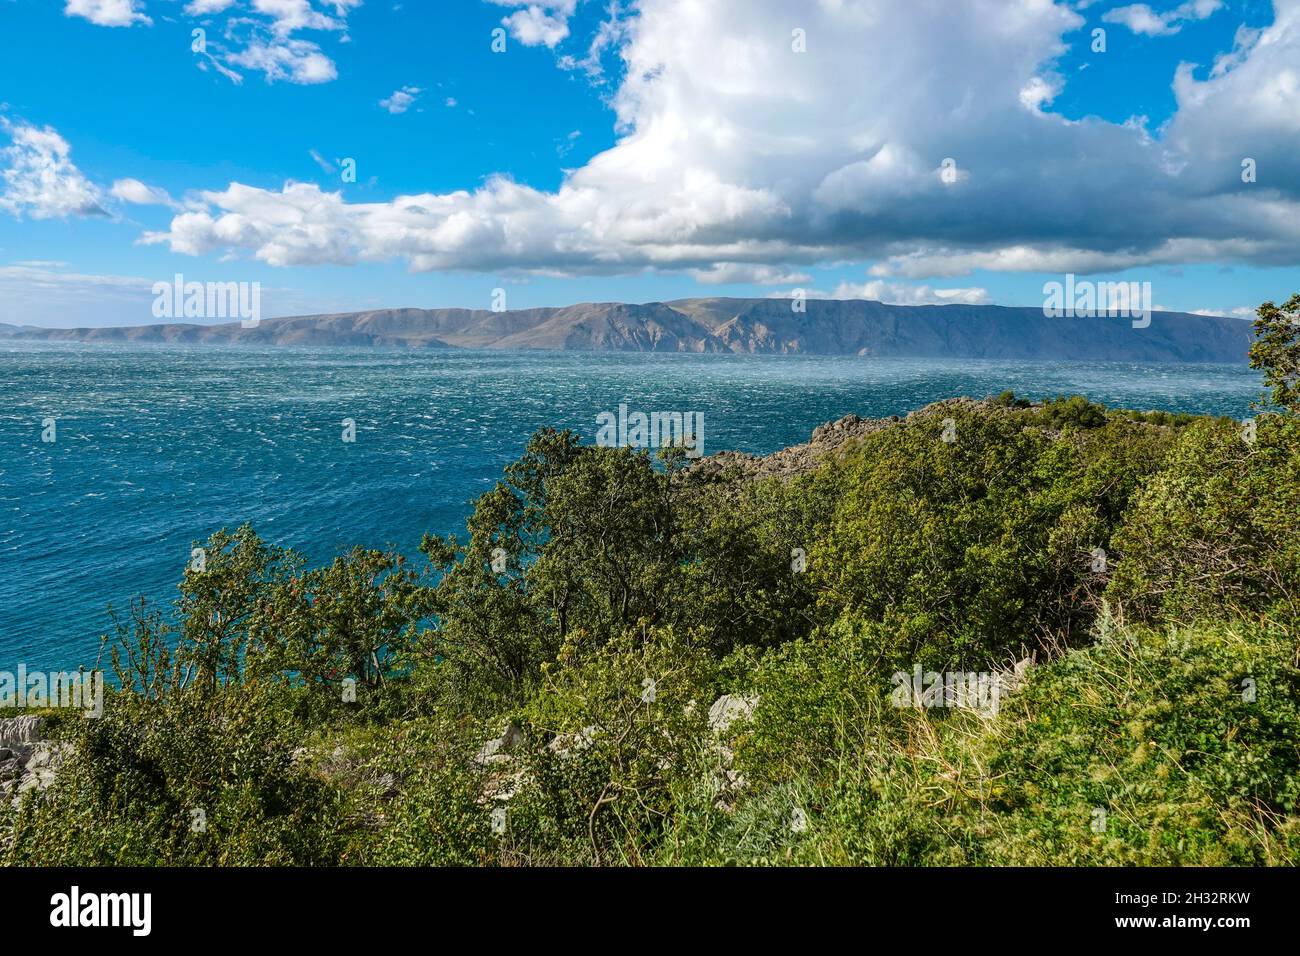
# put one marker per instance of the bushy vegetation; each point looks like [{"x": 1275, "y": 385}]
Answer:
[{"x": 541, "y": 692}]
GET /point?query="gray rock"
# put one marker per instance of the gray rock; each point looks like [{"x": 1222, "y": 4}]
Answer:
[
  {"x": 386, "y": 783},
  {"x": 501, "y": 787},
  {"x": 568, "y": 744},
  {"x": 36, "y": 780},
  {"x": 498, "y": 749},
  {"x": 31, "y": 766},
  {"x": 725, "y": 712},
  {"x": 41, "y": 757},
  {"x": 728, "y": 709},
  {"x": 727, "y": 786},
  {"x": 26, "y": 729}
]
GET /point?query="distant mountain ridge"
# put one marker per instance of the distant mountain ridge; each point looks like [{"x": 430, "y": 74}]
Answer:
[{"x": 722, "y": 325}]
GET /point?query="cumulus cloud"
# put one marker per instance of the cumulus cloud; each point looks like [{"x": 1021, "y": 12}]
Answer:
[
  {"x": 298, "y": 61},
  {"x": 727, "y": 273},
  {"x": 40, "y": 180},
  {"x": 289, "y": 15},
  {"x": 200, "y": 8},
  {"x": 538, "y": 22},
  {"x": 400, "y": 101},
  {"x": 140, "y": 194},
  {"x": 258, "y": 37},
  {"x": 268, "y": 45},
  {"x": 896, "y": 293},
  {"x": 108, "y": 13},
  {"x": 1143, "y": 20},
  {"x": 943, "y": 157}
]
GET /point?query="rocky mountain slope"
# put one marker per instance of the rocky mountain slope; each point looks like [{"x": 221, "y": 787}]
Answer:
[{"x": 751, "y": 326}]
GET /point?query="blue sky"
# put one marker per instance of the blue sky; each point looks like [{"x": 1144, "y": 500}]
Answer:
[{"x": 643, "y": 150}]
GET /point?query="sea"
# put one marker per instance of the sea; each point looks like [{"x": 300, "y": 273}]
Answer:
[{"x": 116, "y": 459}]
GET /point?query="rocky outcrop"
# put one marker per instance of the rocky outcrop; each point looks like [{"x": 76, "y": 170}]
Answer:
[
  {"x": 507, "y": 774},
  {"x": 795, "y": 460},
  {"x": 498, "y": 749},
  {"x": 828, "y": 439},
  {"x": 505, "y": 777},
  {"x": 28, "y": 760},
  {"x": 567, "y": 745},
  {"x": 727, "y": 711}
]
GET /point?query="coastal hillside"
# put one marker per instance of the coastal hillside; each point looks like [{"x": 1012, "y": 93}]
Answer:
[
  {"x": 1013, "y": 645},
  {"x": 990, "y": 632},
  {"x": 721, "y": 325}
]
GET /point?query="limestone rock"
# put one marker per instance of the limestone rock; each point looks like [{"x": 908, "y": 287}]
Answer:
[
  {"x": 729, "y": 708},
  {"x": 24, "y": 730},
  {"x": 501, "y": 787},
  {"x": 498, "y": 749},
  {"x": 567, "y": 744},
  {"x": 27, "y": 760}
]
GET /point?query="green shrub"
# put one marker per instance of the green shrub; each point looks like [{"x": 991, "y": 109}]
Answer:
[
  {"x": 971, "y": 550},
  {"x": 1190, "y": 764},
  {"x": 422, "y": 797},
  {"x": 1189, "y": 741},
  {"x": 615, "y": 732},
  {"x": 1214, "y": 534},
  {"x": 196, "y": 778}
]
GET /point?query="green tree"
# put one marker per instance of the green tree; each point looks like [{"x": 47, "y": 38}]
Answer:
[
  {"x": 1276, "y": 351},
  {"x": 229, "y": 579},
  {"x": 356, "y": 617},
  {"x": 576, "y": 541}
]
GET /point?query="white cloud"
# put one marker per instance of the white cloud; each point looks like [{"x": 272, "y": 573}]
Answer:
[
  {"x": 134, "y": 191},
  {"x": 1239, "y": 312},
  {"x": 45, "y": 294},
  {"x": 734, "y": 150},
  {"x": 540, "y": 22},
  {"x": 894, "y": 293},
  {"x": 1143, "y": 20},
  {"x": 266, "y": 45},
  {"x": 108, "y": 13},
  {"x": 1038, "y": 92},
  {"x": 297, "y": 61},
  {"x": 1139, "y": 18},
  {"x": 200, "y": 8},
  {"x": 322, "y": 162},
  {"x": 40, "y": 179},
  {"x": 611, "y": 32},
  {"x": 269, "y": 46},
  {"x": 727, "y": 273},
  {"x": 48, "y": 294},
  {"x": 402, "y": 99},
  {"x": 290, "y": 15},
  {"x": 44, "y": 277}
]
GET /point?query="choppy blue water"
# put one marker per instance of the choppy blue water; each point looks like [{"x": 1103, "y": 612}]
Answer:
[{"x": 157, "y": 447}]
